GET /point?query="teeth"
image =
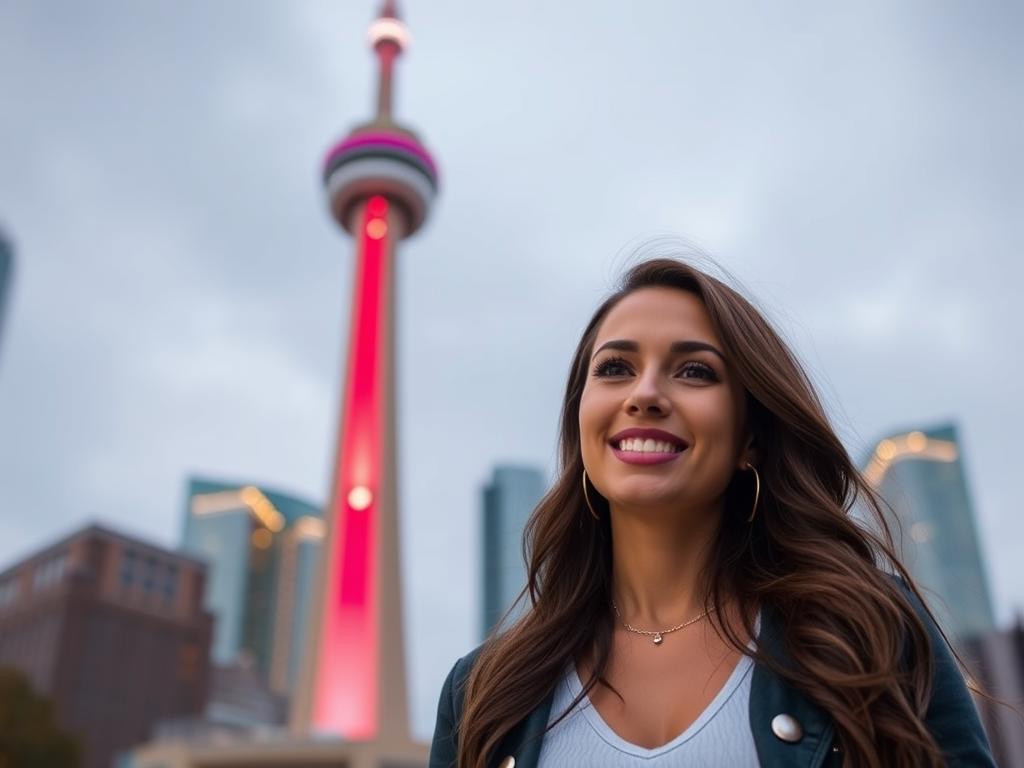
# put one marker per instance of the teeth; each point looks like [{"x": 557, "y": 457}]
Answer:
[{"x": 637, "y": 445}]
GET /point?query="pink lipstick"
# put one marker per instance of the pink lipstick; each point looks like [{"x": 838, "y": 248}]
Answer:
[{"x": 646, "y": 446}]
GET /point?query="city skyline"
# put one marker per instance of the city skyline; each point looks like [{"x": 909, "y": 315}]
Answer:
[{"x": 181, "y": 310}]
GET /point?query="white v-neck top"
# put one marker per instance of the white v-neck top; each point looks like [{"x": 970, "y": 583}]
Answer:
[{"x": 720, "y": 736}]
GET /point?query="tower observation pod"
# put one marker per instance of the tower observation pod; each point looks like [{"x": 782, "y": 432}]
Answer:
[{"x": 380, "y": 182}]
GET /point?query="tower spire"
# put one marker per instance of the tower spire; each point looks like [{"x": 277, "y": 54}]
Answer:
[{"x": 389, "y": 37}]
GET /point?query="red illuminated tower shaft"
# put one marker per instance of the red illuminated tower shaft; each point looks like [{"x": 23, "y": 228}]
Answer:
[{"x": 381, "y": 182}]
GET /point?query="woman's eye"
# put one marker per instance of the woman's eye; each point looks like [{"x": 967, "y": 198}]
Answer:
[
  {"x": 694, "y": 369},
  {"x": 611, "y": 367}
]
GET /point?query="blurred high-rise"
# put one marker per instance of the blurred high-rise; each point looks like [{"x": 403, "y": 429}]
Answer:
[
  {"x": 6, "y": 266},
  {"x": 921, "y": 476},
  {"x": 508, "y": 500},
  {"x": 997, "y": 659},
  {"x": 261, "y": 547},
  {"x": 113, "y": 630}
]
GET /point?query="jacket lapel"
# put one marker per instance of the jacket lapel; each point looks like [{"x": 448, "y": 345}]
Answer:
[
  {"x": 524, "y": 741},
  {"x": 779, "y": 744}
]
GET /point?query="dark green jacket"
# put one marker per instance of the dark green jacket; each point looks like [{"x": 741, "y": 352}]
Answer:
[{"x": 951, "y": 717}]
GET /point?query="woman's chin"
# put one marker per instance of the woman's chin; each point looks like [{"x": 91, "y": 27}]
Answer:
[{"x": 647, "y": 502}]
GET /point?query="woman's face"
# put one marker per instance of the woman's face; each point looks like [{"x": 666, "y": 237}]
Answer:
[{"x": 661, "y": 415}]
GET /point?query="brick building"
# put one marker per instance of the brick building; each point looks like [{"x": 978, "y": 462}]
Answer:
[{"x": 113, "y": 630}]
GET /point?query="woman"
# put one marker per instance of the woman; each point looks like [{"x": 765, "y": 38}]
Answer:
[{"x": 700, "y": 593}]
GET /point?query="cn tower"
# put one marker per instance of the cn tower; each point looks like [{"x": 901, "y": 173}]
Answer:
[{"x": 380, "y": 183}]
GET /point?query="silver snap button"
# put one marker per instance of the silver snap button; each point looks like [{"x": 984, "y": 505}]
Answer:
[
  {"x": 787, "y": 728},
  {"x": 508, "y": 762}
]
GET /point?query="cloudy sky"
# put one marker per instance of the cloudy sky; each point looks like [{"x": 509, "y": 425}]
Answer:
[{"x": 181, "y": 295}]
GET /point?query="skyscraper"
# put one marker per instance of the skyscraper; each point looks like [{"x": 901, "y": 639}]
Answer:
[
  {"x": 261, "y": 547},
  {"x": 380, "y": 182},
  {"x": 508, "y": 500},
  {"x": 6, "y": 264},
  {"x": 920, "y": 474}
]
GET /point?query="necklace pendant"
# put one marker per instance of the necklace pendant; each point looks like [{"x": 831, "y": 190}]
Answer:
[{"x": 658, "y": 639}]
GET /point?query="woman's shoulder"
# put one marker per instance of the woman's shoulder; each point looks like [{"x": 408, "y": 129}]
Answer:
[
  {"x": 938, "y": 642},
  {"x": 443, "y": 748},
  {"x": 464, "y": 664}
]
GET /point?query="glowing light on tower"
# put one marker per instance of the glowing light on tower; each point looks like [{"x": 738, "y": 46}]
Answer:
[{"x": 380, "y": 182}]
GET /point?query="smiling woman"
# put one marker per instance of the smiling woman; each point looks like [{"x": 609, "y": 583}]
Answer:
[{"x": 700, "y": 594}]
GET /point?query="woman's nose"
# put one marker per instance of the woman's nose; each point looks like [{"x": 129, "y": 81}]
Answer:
[{"x": 647, "y": 398}]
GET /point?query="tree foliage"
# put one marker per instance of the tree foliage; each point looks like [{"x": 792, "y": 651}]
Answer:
[{"x": 29, "y": 734}]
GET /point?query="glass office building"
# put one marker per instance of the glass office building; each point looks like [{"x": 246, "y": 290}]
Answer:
[
  {"x": 261, "y": 547},
  {"x": 508, "y": 500},
  {"x": 920, "y": 474}
]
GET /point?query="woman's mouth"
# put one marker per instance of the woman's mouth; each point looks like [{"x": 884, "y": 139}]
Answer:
[{"x": 643, "y": 446}]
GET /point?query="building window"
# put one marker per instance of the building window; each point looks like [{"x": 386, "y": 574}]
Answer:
[
  {"x": 49, "y": 572},
  {"x": 8, "y": 591},
  {"x": 149, "y": 574},
  {"x": 170, "y": 582},
  {"x": 129, "y": 562}
]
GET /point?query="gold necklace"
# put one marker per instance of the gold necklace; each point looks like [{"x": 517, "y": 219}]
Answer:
[{"x": 657, "y": 637}]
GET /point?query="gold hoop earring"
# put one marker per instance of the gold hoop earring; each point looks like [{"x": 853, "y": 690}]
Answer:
[
  {"x": 757, "y": 491},
  {"x": 586, "y": 496}
]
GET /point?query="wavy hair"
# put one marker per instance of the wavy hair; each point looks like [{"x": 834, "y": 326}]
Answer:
[{"x": 856, "y": 646}]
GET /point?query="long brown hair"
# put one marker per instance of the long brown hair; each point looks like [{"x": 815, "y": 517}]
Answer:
[{"x": 857, "y": 647}]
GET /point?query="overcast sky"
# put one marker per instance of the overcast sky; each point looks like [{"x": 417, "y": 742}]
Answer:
[{"x": 181, "y": 295}]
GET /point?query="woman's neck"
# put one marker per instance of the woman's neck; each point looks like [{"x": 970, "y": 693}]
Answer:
[{"x": 659, "y": 566}]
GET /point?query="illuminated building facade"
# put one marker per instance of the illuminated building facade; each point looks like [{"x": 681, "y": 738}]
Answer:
[
  {"x": 261, "y": 547},
  {"x": 920, "y": 474},
  {"x": 508, "y": 500}
]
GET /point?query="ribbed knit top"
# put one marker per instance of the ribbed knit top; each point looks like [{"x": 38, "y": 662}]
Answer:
[{"x": 720, "y": 736}]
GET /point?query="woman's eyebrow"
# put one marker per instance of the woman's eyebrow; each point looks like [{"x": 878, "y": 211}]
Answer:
[{"x": 678, "y": 347}]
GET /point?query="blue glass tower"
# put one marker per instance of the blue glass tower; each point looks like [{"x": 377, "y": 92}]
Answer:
[
  {"x": 920, "y": 474},
  {"x": 261, "y": 547},
  {"x": 508, "y": 500}
]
